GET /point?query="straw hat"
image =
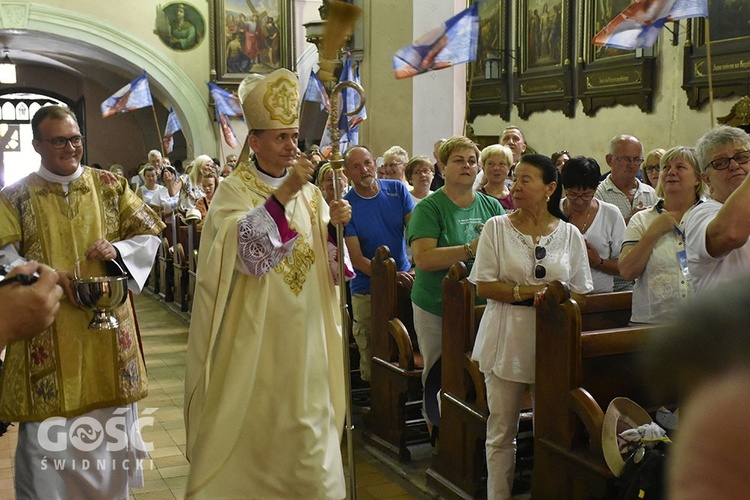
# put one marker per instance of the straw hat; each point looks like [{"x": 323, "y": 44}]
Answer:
[
  {"x": 192, "y": 215},
  {"x": 622, "y": 414}
]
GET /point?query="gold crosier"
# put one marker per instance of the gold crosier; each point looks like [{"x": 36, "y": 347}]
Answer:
[{"x": 339, "y": 26}]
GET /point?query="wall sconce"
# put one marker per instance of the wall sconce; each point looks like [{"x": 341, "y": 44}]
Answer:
[
  {"x": 492, "y": 68},
  {"x": 7, "y": 70}
]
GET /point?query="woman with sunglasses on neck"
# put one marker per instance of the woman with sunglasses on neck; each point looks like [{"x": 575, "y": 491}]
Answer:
[
  {"x": 517, "y": 256},
  {"x": 653, "y": 251},
  {"x": 600, "y": 223}
]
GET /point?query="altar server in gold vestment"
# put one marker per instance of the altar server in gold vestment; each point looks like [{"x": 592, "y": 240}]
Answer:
[
  {"x": 264, "y": 387},
  {"x": 88, "y": 380}
]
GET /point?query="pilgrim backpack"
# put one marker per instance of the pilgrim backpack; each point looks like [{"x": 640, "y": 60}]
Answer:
[{"x": 643, "y": 477}]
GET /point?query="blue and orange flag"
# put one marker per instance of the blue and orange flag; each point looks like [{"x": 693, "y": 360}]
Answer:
[
  {"x": 453, "y": 42},
  {"x": 173, "y": 125},
  {"x": 638, "y": 26},
  {"x": 314, "y": 110},
  {"x": 134, "y": 95},
  {"x": 227, "y": 105}
]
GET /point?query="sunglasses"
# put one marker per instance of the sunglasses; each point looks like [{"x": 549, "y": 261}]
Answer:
[{"x": 539, "y": 270}]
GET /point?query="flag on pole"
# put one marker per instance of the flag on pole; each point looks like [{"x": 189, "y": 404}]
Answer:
[
  {"x": 638, "y": 26},
  {"x": 348, "y": 101},
  {"x": 314, "y": 111},
  {"x": 134, "y": 95},
  {"x": 453, "y": 42},
  {"x": 173, "y": 125},
  {"x": 227, "y": 105}
]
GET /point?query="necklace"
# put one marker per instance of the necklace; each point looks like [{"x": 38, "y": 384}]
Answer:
[{"x": 586, "y": 222}]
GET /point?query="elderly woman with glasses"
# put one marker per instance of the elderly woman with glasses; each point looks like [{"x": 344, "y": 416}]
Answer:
[
  {"x": 600, "y": 223},
  {"x": 420, "y": 171},
  {"x": 650, "y": 167},
  {"x": 718, "y": 231},
  {"x": 517, "y": 256},
  {"x": 653, "y": 252},
  {"x": 394, "y": 164}
]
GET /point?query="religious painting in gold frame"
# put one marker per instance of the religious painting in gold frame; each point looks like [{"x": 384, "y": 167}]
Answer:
[
  {"x": 544, "y": 72},
  {"x": 251, "y": 36}
]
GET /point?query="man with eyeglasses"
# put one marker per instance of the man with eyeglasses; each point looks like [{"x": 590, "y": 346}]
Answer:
[
  {"x": 622, "y": 188},
  {"x": 65, "y": 216},
  {"x": 717, "y": 231}
]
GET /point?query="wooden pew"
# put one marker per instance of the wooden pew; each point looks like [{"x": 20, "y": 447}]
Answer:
[
  {"x": 183, "y": 254},
  {"x": 165, "y": 259},
  {"x": 395, "y": 419},
  {"x": 458, "y": 468},
  {"x": 193, "y": 261},
  {"x": 589, "y": 359}
]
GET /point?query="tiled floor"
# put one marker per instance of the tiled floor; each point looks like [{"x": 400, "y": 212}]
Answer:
[{"x": 165, "y": 339}]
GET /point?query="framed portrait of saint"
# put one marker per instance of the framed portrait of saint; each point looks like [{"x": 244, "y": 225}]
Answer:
[
  {"x": 251, "y": 36},
  {"x": 180, "y": 26}
]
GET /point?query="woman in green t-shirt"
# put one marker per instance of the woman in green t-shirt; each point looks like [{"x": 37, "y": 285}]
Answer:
[{"x": 444, "y": 229}]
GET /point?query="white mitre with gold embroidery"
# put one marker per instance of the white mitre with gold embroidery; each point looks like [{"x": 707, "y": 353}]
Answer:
[{"x": 270, "y": 102}]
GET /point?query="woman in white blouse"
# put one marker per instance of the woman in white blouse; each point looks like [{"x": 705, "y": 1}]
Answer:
[
  {"x": 653, "y": 250},
  {"x": 147, "y": 191},
  {"x": 517, "y": 256},
  {"x": 167, "y": 202},
  {"x": 600, "y": 223}
]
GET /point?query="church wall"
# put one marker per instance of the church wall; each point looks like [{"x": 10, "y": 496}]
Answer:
[
  {"x": 412, "y": 112},
  {"x": 670, "y": 123}
]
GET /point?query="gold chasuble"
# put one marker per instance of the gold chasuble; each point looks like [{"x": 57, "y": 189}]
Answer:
[
  {"x": 69, "y": 370},
  {"x": 264, "y": 388}
]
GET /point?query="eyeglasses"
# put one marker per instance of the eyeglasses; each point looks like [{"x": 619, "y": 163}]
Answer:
[
  {"x": 584, "y": 197},
  {"x": 652, "y": 169},
  {"x": 628, "y": 159},
  {"x": 539, "y": 253},
  {"x": 723, "y": 163},
  {"x": 560, "y": 153},
  {"x": 60, "y": 142},
  {"x": 393, "y": 164},
  {"x": 422, "y": 172}
]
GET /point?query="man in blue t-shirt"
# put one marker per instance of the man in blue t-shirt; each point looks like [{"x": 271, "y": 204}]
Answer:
[{"x": 380, "y": 211}]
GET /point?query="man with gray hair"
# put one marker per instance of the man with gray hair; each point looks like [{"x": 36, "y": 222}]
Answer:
[
  {"x": 622, "y": 188},
  {"x": 717, "y": 231}
]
